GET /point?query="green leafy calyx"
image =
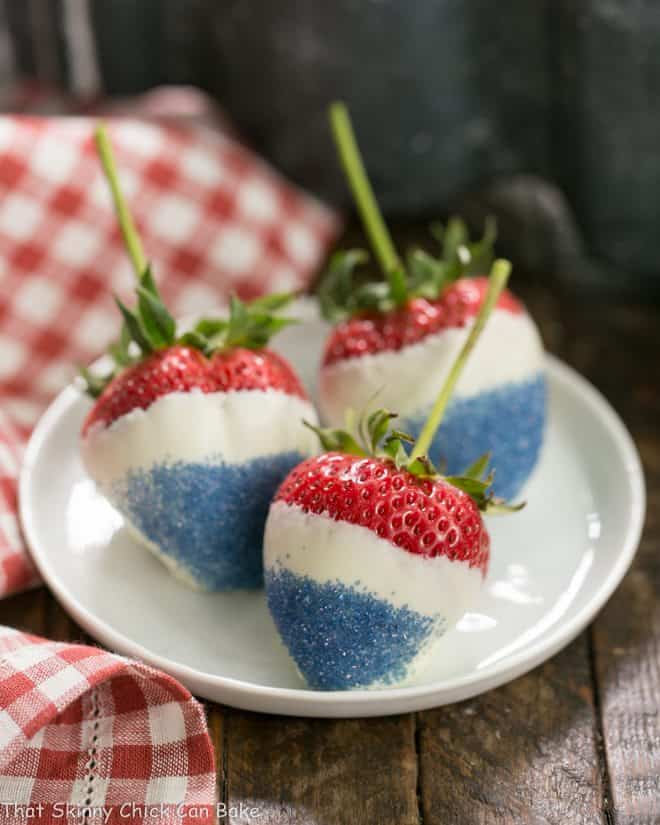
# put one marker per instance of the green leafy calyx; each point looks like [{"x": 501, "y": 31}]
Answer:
[
  {"x": 374, "y": 436},
  {"x": 345, "y": 292},
  {"x": 149, "y": 326}
]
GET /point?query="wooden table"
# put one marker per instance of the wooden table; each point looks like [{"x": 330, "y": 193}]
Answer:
[{"x": 575, "y": 741}]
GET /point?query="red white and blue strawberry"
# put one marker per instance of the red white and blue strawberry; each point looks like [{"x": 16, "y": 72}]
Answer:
[
  {"x": 190, "y": 435},
  {"x": 370, "y": 555},
  {"x": 396, "y": 340}
]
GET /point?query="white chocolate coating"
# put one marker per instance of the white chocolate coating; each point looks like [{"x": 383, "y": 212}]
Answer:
[
  {"x": 327, "y": 550},
  {"x": 231, "y": 427},
  {"x": 408, "y": 380}
]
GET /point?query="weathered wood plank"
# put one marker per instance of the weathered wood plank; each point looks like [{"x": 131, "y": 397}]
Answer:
[
  {"x": 215, "y": 715},
  {"x": 525, "y": 753},
  {"x": 618, "y": 349},
  {"x": 528, "y": 752},
  {"x": 61, "y": 627},
  {"x": 311, "y": 771},
  {"x": 627, "y": 652},
  {"x": 27, "y": 611}
]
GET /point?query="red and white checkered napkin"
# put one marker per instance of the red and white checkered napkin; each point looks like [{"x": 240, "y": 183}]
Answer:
[
  {"x": 214, "y": 219},
  {"x": 89, "y": 737}
]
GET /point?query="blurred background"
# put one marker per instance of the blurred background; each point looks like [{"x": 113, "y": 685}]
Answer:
[{"x": 542, "y": 112}]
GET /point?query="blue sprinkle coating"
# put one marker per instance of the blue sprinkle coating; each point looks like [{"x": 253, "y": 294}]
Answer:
[
  {"x": 341, "y": 637},
  {"x": 209, "y": 518},
  {"x": 507, "y": 422}
]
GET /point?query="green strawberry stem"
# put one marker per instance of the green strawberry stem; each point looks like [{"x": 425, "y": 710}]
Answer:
[
  {"x": 128, "y": 231},
  {"x": 372, "y": 219},
  {"x": 499, "y": 275}
]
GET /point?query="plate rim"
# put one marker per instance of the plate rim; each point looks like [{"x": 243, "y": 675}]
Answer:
[{"x": 305, "y": 702}]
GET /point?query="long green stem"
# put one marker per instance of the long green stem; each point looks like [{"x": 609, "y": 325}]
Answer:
[
  {"x": 365, "y": 200},
  {"x": 499, "y": 275},
  {"x": 128, "y": 231}
]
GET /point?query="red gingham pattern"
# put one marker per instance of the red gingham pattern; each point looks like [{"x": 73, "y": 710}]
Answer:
[
  {"x": 213, "y": 217},
  {"x": 86, "y": 736},
  {"x": 113, "y": 739},
  {"x": 16, "y": 569}
]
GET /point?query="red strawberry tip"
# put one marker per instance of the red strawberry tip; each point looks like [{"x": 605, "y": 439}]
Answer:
[
  {"x": 423, "y": 516},
  {"x": 375, "y": 438},
  {"x": 181, "y": 368}
]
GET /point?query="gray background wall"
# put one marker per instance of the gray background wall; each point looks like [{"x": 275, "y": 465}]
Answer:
[{"x": 447, "y": 96}]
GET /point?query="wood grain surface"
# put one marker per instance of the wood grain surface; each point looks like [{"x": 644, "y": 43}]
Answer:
[
  {"x": 360, "y": 771},
  {"x": 575, "y": 741},
  {"x": 618, "y": 349},
  {"x": 527, "y": 752}
]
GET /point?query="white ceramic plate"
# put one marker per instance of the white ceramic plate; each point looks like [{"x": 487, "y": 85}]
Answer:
[{"x": 553, "y": 566}]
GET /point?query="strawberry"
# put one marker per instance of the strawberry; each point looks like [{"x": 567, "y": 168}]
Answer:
[
  {"x": 190, "y": 434},
  {"x": 370, "y": 554},
  {"x": 371, "y": 332},
  {"x": 427, "y": 517},
  {"x": 395, "y": 339}
]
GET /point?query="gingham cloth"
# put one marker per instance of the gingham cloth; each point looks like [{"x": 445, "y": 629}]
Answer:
[
  {"x": 89, "y": 737},
  {"x": 86, "y": 736},
  {"x": 214, "y": 220}
]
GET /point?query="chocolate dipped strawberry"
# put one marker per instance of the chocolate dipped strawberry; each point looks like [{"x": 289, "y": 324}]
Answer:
[
  {"x": 370, "y": 554},
  {"x": 395, "y": 341},
  {"x": 190, "y": 435}
]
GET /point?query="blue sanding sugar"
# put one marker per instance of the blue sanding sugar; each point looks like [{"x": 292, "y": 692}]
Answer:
[
  {"x": 507, "y": 422},
  {"x": 210, "y": 517},
  {"x": 341, "y": 637}
]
